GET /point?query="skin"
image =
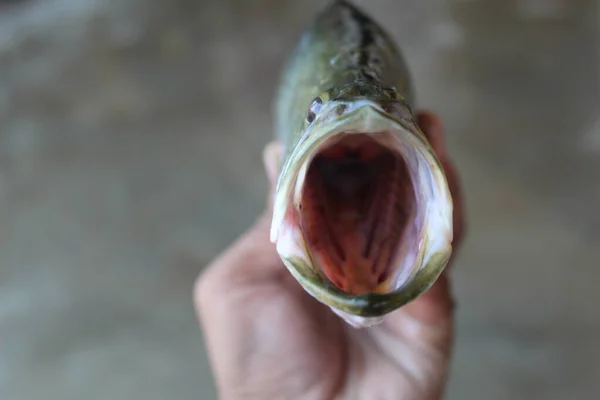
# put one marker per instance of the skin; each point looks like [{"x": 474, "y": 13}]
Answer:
[{"x": 268, "y": 339}]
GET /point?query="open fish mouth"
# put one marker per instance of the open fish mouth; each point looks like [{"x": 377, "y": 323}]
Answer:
[
  {"x": 362, "y": 213},
  {"x": 358, "y": 213}
]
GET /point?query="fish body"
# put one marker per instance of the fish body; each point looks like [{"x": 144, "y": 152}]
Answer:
[{"x": 362, "y": 210}]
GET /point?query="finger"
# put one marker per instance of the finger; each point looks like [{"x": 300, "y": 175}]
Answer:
[
  {"x": 271, "y": 161},
  {"x": 432, "y": 128}
]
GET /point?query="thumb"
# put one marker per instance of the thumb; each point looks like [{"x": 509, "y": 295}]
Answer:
[{"x": 272, "y": 160}]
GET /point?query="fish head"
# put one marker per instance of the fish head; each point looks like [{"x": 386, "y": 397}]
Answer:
[{"x": 362, "y": 211}]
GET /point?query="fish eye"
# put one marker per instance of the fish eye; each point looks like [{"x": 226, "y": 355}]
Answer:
[{"x": 315, "y": 107}]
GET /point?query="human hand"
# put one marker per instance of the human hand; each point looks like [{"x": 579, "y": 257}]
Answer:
[{"x": 268, "y": 339}]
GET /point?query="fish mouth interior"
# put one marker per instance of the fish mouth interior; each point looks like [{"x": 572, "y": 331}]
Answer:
[{"x": 357, "y": 213}]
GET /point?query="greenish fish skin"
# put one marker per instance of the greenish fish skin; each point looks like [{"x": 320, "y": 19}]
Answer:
[
  {"x": 342, "y": 53},
  {"x": 344, "y": 57}
]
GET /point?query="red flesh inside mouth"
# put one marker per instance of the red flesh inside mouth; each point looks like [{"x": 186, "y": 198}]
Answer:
[{"x": 357, "y": 202}]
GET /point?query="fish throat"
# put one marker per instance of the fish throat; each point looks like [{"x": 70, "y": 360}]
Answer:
[{"x": 356, "y": 212}]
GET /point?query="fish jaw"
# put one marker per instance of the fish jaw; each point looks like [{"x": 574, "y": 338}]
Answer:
[{"x": 433, "y": 248}]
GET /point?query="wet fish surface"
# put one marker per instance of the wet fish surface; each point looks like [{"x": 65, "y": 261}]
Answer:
[{"x": 362, "y": 211}]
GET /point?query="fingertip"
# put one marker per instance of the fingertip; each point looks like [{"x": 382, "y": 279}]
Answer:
[
  {"x": 271, "y": 156},
  {"x": 203, "y": 292},
  {"x": 271, "y": 159},
  {"x": 433, "y": 129}
]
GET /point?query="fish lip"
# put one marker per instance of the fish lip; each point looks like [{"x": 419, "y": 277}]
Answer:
[
  {"x": 365, "y": 117},
  {"x": 371, "y": 304}
]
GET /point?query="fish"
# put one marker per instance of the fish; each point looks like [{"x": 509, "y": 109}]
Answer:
[{"x": 362, "y": 212}]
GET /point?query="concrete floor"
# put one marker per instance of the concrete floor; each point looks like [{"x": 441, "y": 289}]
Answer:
[{"x": 130, "y": 141}]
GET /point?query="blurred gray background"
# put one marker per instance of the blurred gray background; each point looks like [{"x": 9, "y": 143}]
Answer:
[{"x": 131, "y": 134}]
